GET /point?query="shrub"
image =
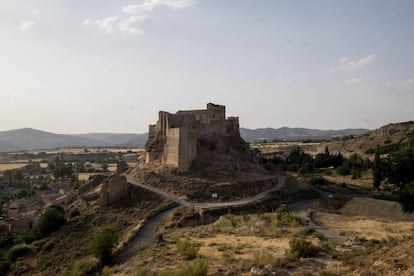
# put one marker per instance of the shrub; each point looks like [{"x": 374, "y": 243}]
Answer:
[
  {"x": 51, "y": 220},
  {"x": 317, "y": 180},
  {"x": 265, "y": 218},
  {"x": 82, "y": 267},
  {"x": 6, "y": 241},
  {"x": 262, "y": 258},
  {"x": 305, "y": 232},
  {"x": 198, "y": 267},
  {"x": 188, "y": 249},
  {"x": 108, "y": 271},
  {"x": 101, "y": 244},
  {"x": 301, "y": 249},
  {"x": 284, "y": 217},
  {"x": 4, "y": 267},
  {"x": 17, "y": 252}
]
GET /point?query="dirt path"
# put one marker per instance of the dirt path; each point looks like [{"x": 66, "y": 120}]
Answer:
[
  {"x": 281, "y": 183},
  {"x": 149, "y": 231},
  {"x": 147, "y": 234},
  {"x": 301, "y": 209}
]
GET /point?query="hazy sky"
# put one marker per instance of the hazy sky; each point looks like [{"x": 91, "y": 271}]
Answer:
[{"x": 109, "y": 65}]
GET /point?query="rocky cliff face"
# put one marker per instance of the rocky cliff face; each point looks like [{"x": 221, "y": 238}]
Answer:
[{"x": 393, "y": 129}]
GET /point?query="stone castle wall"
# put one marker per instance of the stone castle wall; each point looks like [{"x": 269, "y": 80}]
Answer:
[{"x": 173, "y": 139}]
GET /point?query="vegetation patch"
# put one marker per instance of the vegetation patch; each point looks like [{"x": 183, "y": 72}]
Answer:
[
  {"x": 300, "y": 248},
  {"x": 82, "y": 267},
  {"x": 198, "y": 267},
  {"x": 18, "y": 251},
  {"x": 188, "y": 249},
  {"x": 284, "y": 217},
  {"x": 101, "y": 244}
]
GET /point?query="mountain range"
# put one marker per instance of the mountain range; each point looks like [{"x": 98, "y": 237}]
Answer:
[
  {"x": 293, "y": 134},
  {"x": 33, "y": 139}
]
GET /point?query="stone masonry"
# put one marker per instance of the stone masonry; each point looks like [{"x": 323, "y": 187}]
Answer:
[{"x": 173, "y": 140}]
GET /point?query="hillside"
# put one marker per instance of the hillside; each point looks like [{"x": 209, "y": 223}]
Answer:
[
  {"x": 119, "y": 139},
  {"x": 286, "y": 133},
  {"x": 32, "y": 139},
  {"x": 388, "y": 138}
]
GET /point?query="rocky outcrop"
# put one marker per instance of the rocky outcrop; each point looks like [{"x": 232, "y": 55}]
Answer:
[
  {"x": 114, "y": 188},
  {"x": 392, "y": 129}
]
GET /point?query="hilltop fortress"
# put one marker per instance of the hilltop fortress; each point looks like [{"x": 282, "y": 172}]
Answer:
[{"x": 175, "y": 138}]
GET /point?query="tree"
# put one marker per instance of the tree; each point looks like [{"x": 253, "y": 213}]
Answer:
[
  {"x": 63, "y": 170},
  {"x": 52, "y": 219},
  {"x": 79, "y": 167},
  {"x": 101, "y": 244},
  {"x": 399, "y": 167},
  {"x": 104, "y": 167},
  {"x": 406, "y": 197},
  {"x": 377, "y": 170}
]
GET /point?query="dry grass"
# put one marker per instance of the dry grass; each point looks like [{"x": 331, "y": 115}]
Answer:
[
  {"x": 12, "y": 166},
  {"x": 351, "y": 226},
  {"x": 233, "y": 244},
  {"x": 366, "y": 181}
]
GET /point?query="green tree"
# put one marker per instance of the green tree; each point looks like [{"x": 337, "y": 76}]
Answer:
[
  {"x": 18, "y": 175},
  {"x": 104, "y": 167},
  {"x": 406, "y": 197},
  {"x": 400, "y": 166},
  {"x": 79, "y": 167},
  {"x": 101, "y": 244},
  {"x": 377, "y": 169},
  {"x": 52, "y": 219}
]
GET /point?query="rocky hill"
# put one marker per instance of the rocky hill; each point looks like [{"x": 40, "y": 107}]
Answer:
[{"x": 387, "y": 138}]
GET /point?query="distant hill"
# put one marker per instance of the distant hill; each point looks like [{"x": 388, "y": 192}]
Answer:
[
  {"x": 33, "y": 139},
  {"x": 119, "y": 139},
  {"x": 286, "y": 133}
]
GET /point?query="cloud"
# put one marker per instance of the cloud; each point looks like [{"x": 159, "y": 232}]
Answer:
[
  {"x": 346, "y": 64},
  {"x": 133, "y": 24},
  {"x": 401, "y": 85},
  {"x": 27, "y": 25},
  {"x": 86, "y": 21},
  {"x": 107, "y": 24},
  {"x": 149, "y": 5},
  {"x": 134, "y": 15},
  {"x": 354, "y": 81}
]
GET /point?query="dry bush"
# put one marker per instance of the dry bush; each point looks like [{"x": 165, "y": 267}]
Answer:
[{"x": 301, "y": 249}]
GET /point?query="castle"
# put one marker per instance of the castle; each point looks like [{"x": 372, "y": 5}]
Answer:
[{"x": 174, "y": 139}]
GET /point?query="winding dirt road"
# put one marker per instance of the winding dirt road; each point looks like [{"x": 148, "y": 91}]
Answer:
[
  {"x": 280, "y": 184},
  {"x": 149, "y": 231},
  {"x": 301, "y": 209}
]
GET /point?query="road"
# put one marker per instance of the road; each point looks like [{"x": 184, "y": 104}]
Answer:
[
  {"x": 147, "y": 234},
  {"x": 280, "y": 184},
  {"x": 301, "y": 209},
  {"x": 149, "y": 231}
]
